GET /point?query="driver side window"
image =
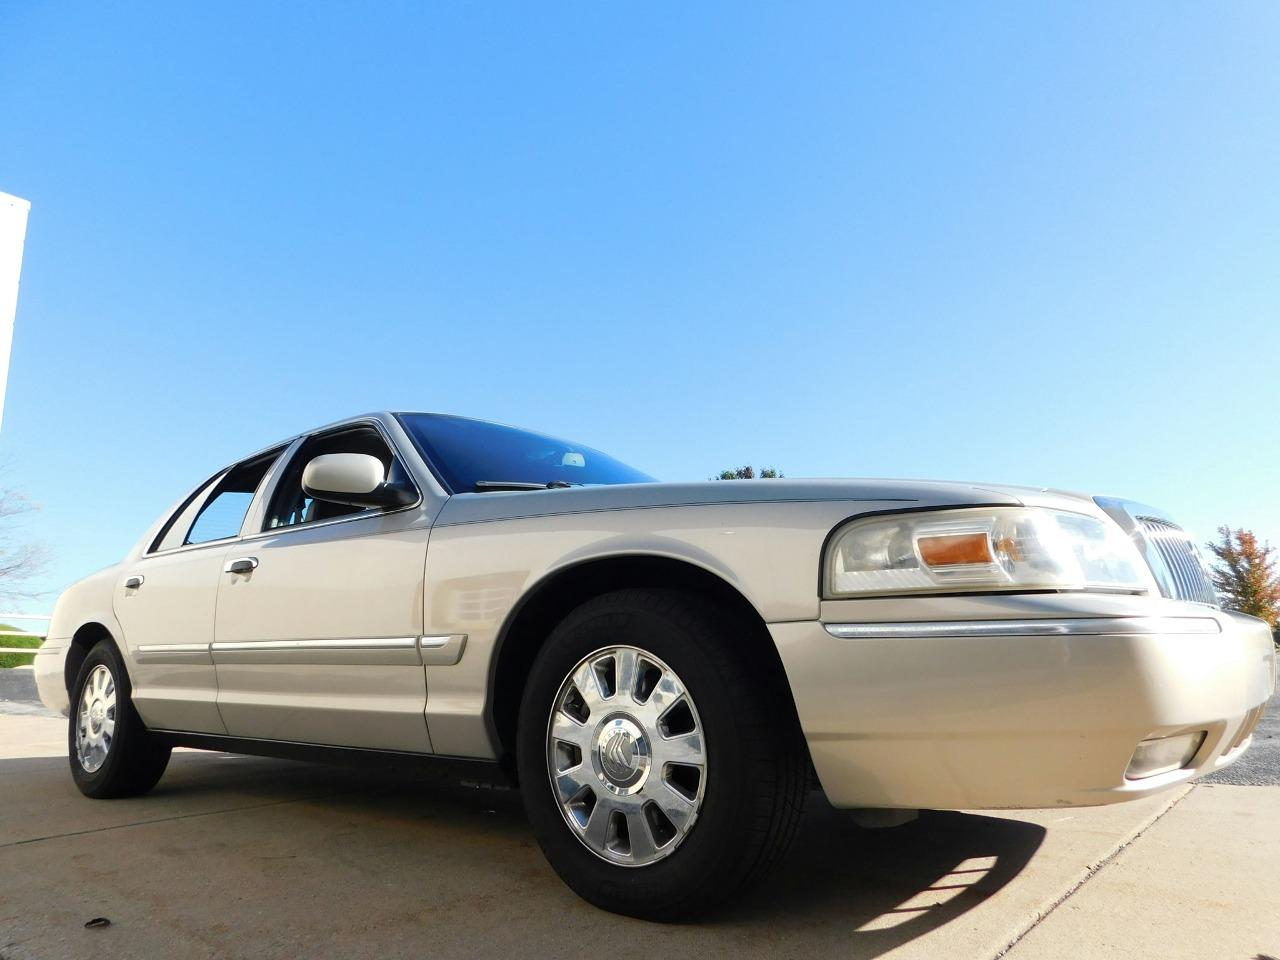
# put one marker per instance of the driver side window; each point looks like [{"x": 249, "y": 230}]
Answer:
[{"x": 291, "y": 506}]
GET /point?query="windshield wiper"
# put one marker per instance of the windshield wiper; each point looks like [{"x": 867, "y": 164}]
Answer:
[{"x": 484, "y": 485}]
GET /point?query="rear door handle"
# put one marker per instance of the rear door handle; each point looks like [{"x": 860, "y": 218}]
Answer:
[
  {"x": 134, "y": 582},
  {"x": 243, "y": 565}
]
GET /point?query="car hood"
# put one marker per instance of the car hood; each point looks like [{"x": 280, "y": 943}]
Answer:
[{"x": 480, "y": 507}]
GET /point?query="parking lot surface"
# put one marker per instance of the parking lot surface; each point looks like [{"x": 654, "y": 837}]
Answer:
[{"x": 241, "y": 857}]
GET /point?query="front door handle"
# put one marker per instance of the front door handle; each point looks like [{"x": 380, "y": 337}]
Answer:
[
  {"x": 243, "y": 565},
  {"x": 134, "y": 582}
]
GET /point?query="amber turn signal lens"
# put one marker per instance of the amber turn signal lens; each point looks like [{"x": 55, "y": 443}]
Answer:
[{"x": 953, "y": 549}]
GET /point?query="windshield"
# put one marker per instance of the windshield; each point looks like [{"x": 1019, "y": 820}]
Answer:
[{"x": 470, "y": 452}]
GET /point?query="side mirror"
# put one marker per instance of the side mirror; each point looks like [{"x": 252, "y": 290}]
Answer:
[{"x": 353, "y": 478}]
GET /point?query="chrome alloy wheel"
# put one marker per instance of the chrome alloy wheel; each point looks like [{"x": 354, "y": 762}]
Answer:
[
  {"x": 626, "y": 756},
  {"x": 96, "y": 719}
]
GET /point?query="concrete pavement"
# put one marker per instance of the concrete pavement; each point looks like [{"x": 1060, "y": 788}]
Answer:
[
  {"x": 238, "y": 857},
  {"x": 1202, "y": 883}
]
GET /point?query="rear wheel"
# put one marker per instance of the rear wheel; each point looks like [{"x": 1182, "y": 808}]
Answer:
[
  {"x": 661, "y": 763},
  {"x": 112, "y": 754}
]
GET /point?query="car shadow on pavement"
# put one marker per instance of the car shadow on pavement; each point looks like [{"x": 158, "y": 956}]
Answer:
[
  {"x": 355, "y": 863},
  {"x": 878, "y": 889}
]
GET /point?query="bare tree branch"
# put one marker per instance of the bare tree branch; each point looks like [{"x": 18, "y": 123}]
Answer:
[{"x": 21, "y": 559}]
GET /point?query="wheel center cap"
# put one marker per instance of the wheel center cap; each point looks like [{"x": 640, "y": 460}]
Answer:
[
  {"x": 621, "y": 754},
  {"x": 97, "y": 712}
]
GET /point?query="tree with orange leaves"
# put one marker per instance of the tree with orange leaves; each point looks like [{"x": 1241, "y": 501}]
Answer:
[{"x": 1245, "y": 575}]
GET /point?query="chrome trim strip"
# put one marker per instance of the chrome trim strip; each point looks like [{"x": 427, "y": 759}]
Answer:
[
  {"x": 354, "y": 643},
  {"x": 1073, "y": 627},
  {"x": 355, "y": 651},
  {"x": 443, "y": 651},
  {"x": 173, "y": 648},
  {"x": 173, "y": 653}
]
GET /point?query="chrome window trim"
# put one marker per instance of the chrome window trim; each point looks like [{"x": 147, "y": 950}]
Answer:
[
  {"x": 256, "y": 514},
  {"x": 317, "y": 524},
  {"x": 279, "y": 451},
  {"x": 1065, "y": 627},
  {"x": 188, "y": 547},
  {"x": 196, "y": 498},
  {"x": 202, "y": 493}
]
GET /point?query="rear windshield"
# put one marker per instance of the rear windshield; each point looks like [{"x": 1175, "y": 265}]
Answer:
[{"x": 473, "y": 453}]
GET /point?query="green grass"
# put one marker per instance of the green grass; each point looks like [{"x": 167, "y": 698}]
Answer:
[{"x": 16, "y": 659}]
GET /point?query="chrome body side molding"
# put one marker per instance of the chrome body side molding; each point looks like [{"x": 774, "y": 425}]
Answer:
[
  {"x": 379, "y": 651},
  {"x": 1075, "y": 626},
  {"x": 172, "y": 653},
  {"x": 444, "y": 651},
  {"x": 439, "y": 651}
]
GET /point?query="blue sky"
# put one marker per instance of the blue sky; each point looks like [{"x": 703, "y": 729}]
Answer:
[{"x": 999, "y": 242}]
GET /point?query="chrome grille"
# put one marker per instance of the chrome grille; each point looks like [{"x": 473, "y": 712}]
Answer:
[{"x": 1187, "y": 575}]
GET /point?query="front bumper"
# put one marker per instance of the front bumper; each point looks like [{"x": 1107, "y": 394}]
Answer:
[
  {"x": 1004, "y": 719},
  {"x": 50, "y": 670}
]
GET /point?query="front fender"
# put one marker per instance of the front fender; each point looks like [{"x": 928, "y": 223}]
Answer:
[{"x": 83, "y": 612}]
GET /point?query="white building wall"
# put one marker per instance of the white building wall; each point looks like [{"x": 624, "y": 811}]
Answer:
[{"x": 13, "y": 236}]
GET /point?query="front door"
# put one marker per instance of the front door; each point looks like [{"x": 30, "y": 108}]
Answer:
[{"x": 319, "y": 616}]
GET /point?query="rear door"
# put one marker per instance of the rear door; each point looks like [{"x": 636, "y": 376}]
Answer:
[
  {"x": 165, "y": 602},
  {"x": 319, "y": 615}
]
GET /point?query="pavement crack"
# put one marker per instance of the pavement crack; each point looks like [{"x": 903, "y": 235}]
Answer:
[{"x": 1092, "y": 871}]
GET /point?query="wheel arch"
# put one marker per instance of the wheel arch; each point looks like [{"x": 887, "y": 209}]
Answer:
[
  {"x": 85, "y": 638},
  {"x": 549, "y": 601}
]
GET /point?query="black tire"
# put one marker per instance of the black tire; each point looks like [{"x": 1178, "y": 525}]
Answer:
[
  {"x": 756, "y": 760},
  {"x": 134, "y": 761}
]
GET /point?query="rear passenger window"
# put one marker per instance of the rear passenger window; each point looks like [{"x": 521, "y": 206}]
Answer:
[
  {"x": 223, "y": 513},
  {"x": 174, "y": 532}
]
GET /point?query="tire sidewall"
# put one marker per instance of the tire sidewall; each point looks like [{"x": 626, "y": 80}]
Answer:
[
  {"x": 98, "y": 782},
  {"x": 706, "y": 854}
]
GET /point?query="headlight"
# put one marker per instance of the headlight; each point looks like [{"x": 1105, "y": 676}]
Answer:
[{"x": 1000, "y": 548}]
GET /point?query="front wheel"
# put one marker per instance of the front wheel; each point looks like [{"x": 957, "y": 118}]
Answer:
[
  {"x": 660, "y": 760},
  {"x": 112, "y": 753}
]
